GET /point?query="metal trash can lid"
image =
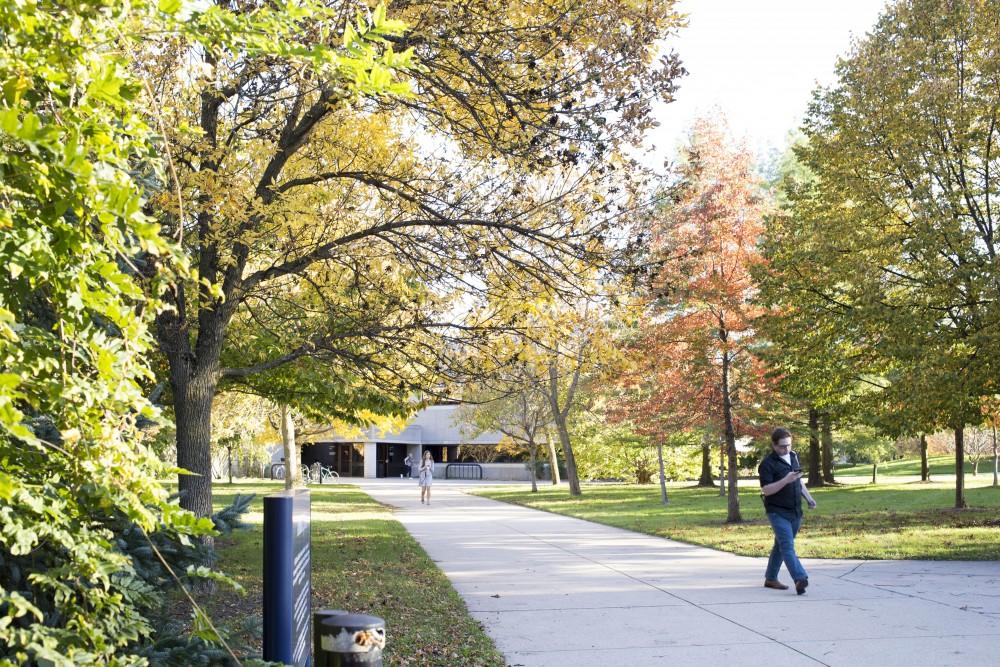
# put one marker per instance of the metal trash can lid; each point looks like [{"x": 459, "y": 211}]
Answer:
[
  {"x": 350, "y": 633},
  {"x": 324, "y": 613},
  {"x": 351, "y": 621}
]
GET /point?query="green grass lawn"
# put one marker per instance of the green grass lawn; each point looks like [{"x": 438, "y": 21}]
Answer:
[
  {"x": 892, "y": 521},
  {"x": 939, "y": 466},
  {"x": 362, "y": 561}
]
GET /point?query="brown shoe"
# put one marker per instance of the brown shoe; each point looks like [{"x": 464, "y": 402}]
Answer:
[
  {"x": 800, "y": 586},
  {"x": 775, "y": 584}
]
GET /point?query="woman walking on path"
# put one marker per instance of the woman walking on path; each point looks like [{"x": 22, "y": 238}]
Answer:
[{"x": 426, "y": 477}]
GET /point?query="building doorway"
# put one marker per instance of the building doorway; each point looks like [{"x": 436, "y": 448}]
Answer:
[
  {"x": 389, "y": 459},
  {"x": 346, "y": 458}
]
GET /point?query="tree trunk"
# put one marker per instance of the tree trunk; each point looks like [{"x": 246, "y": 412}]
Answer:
[
  {"x": 996, "y": 460},
  {"x": 815, "y": 474},
  {"x": 193, "y": 412},
  {"x": 706, "y": 463},
  {"x": 559, "y": 417},
  {"x": 194, "y": 368},
  {"x": 293, "y": 459},
  {"x": 925, "y": 470},
  {"x": 874, "y": 472},
  {"x": 229, "y": 463},
  {"x": 553, "y": 459},
  {"x": 663, "y": 475},
  {"x": 733, "y": 509},
  {"x": 975, "y": 467},
  {"x": 827, "y": 447},
  {"x": 567, "y": 447},
  {"x": 722, "y": 467},
  {"x": 532, "y": 456},
  {"x": 960, "y": 468}
]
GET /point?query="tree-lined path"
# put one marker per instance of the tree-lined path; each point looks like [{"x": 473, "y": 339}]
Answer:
[{"x": 553, "y": 590}]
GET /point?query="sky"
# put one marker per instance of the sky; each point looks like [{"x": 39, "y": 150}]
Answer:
[{"x": 757, "y": 61}]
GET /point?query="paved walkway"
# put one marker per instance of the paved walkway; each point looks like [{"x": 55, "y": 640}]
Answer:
[{"x": 554, "y": 591}]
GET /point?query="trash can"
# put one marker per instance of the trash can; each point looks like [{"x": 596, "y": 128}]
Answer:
[{"x": 341, "y": 639}]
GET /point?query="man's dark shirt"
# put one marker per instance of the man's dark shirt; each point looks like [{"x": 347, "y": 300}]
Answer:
[{"x": 789, "y": 498}]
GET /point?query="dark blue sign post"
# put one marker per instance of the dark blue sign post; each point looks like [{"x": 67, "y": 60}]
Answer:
[{"x": 287, "y": 626}]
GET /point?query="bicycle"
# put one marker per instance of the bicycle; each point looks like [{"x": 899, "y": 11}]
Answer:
[{"x": 318, "y": 475}]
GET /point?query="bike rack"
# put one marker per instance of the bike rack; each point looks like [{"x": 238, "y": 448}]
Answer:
[{"x": 463, "y": 471}]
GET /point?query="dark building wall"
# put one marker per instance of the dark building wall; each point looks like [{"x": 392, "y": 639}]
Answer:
[
  {"x": 390, "y": 459},
  {"x": 347, "y": 458}
]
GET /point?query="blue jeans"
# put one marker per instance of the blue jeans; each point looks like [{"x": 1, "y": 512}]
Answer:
[{"x": 786, "y": 527}]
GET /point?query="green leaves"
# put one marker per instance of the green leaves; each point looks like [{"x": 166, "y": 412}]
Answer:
[
  {"x": 370, "y": 71},
  {"x": 350, "y": 37},
  {"x": 74, "y": 335},
  {"x": 170, "y": 6},
  {"x": 365, "y": 63},
  {"x": 204, "y": 573},
  {"x": 106, "y": 85},
  {"x": 18, "y": 607},
  {"x": 14, "y": 88},
  {"x": 893, "y": 239}
]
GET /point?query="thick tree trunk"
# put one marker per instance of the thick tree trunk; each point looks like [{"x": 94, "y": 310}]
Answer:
[
  {"x": 815, "y": 477},
  {"x": 733, "y": 506},
  {"x": 996, "y": 461},
  {"x": 567, "y": 448},
  {"x": 663, "y": 475},
  {"x": 706, "y": 463},
  {"x": 925, "y": 470},
  {"x": 553, "y": 459},
  {"x": 532, "y": 456},
  {"x": 559, "y": 414},
  {"x": 722, "y": 466},
  {"x": 193, "y": 370},
  {"x": 193, "y": 412},
  {"x": 293, "y": 457},
  {"x": 827, "y": 447},
  {"x": 960, "y": 468}
]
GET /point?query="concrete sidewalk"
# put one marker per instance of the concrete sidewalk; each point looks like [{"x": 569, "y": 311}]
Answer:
[{"x": 553, "y": 591}]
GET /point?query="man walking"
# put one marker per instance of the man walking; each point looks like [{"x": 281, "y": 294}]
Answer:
[
  {"x": 782, "y": 489},
  {"x": 407, "y": 466}
]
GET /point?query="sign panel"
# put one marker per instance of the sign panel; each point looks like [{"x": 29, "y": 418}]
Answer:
[{"x": 287, "y": 583}]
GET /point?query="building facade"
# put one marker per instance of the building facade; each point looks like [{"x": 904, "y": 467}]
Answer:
[{"x": 378, "y": 454}]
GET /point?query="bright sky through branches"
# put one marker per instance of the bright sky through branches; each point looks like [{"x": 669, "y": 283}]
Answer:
[{"x": 758, "y": 61}]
